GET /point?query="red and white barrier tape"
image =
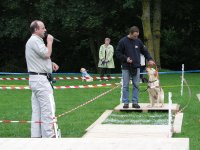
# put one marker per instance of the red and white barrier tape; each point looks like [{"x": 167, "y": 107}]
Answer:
[
  {"x": 11, "y": 79},
  {"x": 65, "y": 113},
  {"x": 14, "y": 88},
  {"x": 57, "y": 87},
  {"x": 64, "y": 78},
  {"x": 21, "y": 121}
]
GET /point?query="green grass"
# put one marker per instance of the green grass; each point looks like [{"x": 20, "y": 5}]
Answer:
[{"x": 16, "y": 105}]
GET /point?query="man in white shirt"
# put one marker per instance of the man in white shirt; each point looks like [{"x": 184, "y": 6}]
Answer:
[{"x": 40, "y": 66}]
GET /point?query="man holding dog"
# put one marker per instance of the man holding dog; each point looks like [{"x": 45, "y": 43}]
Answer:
[
  {"x": 40, "y": 67},
  {"x": 128, "y": 52}
]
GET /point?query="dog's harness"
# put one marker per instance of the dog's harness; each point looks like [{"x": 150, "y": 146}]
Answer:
[{"x": 152, "y": 81}]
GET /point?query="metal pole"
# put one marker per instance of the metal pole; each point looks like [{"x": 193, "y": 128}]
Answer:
[
  {"x": 182, "y": 78},
  {"x": 170, "y": 114}
]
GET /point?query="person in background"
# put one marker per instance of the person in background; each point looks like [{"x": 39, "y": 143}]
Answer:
[
  {"x": 128, "y": 52},
  {"x": 106, "y": 62},
  {"x": 40, "y": 67}
]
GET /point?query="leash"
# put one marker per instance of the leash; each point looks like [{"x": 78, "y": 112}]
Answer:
[
  {"x": 190, "y": 95},
  {"x": 87, "y": 102},
  {"x": 133, "y": 72}
]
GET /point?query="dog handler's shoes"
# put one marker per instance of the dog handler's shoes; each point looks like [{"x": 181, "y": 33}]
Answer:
[
  {"x": 126, "y": 106},
  {"x": 135, "y": 106}
]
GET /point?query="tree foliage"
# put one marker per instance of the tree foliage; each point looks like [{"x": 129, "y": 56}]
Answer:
[{"x": 82, "y": 25}]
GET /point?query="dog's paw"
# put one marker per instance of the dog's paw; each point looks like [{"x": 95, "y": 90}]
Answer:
[
  {"x": 162, "y": 105},
  {"x": 149, "y": 106},
  {"x": 159, "y": 105}
]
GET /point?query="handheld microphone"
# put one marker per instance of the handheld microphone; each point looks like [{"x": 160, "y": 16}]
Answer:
[
  {"x": 57, "y": 40},
  {"x": 46, "y": 34}
]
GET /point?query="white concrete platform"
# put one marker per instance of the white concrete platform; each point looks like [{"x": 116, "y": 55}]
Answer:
[
  {"x": 144, "y": 107},
  {"x": 99, "y": 130},
  {"x": 177, "y": 125},
  {"x": 94, "y": 144},
  {"x": 128, "y": 131}
]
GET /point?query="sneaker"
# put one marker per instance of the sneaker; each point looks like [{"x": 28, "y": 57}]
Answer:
[
  {"x": 126, "y": 106},
  {"x": 135, "y": 106}
]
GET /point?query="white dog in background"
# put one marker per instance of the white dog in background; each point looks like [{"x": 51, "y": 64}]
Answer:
[
  {"x": 156, "y": 93},
  {"x": 85, "y": 76}
]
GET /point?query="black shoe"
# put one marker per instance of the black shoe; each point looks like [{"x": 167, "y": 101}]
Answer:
[
  {"x": 126, "y": 106},
  {"x": 135, "y": 106}
]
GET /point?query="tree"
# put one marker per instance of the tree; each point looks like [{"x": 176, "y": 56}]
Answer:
[
  {"x": 151, "y": 23},
  {"x": 180, "y": 34},
  {"x": 146, "y": 22},
  {"x": 156, "y": 27},
  {"x": 152, "y": 27},
  {"x": 83, "y": 25}
]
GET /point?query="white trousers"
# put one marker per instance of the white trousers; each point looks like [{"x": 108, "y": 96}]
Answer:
[{"x": 43, "y": 107}]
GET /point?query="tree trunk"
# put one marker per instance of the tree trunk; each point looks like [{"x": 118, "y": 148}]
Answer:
[
  {"x": 146, "y": 22},
  {"x": 156, "y": 30},
  {"x": 94, "y": 52}
]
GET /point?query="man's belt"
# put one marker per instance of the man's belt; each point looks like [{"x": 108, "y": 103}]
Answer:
[
  {"x": 35, "y": 73},
  {"x": 49, "y": 77}
]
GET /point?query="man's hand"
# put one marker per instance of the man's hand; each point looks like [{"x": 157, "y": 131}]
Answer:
[
  {"x": 49, "y": 38},
  {"x": 151, "y": 63},
  {"x": 129, "y": 60},
  {"x": 106, "y": 61},
  {"x": 55, "y": 66}
]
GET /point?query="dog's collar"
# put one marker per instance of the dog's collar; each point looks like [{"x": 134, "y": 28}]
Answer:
[{"x": 152, "y": 81}]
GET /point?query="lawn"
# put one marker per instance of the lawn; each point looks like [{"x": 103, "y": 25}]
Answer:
[{"x": 16, "y": 105}]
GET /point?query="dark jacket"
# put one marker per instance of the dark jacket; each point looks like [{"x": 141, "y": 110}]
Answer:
[{"x": 131, "y": 48}]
